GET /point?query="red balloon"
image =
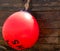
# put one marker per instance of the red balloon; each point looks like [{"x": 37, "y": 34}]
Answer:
[{"x": 20, "y": 30}]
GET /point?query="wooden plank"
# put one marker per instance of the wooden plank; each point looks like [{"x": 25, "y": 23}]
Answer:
[
  {"x": 46, "y": 47},
  {"x": 10, "y": 1},
  {"x": 49, "y": 32},
  {"x": 39, "y": 5},
  {"x": 51, "y": 25},
  {"x": 42, "y": 1},
  {"x": 50, "y": 15},
  {"x": 34, "y": 8}
]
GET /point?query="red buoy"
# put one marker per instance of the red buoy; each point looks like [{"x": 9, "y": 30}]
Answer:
[{"x": 20, "y": 30}]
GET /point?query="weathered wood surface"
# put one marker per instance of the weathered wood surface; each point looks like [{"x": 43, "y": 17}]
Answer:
[
  {"x": 37, "y": 5},
  {"x": 47, "y": 13}
]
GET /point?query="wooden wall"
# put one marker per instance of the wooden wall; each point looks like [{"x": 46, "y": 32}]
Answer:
[{"x": 47, "y": 13}]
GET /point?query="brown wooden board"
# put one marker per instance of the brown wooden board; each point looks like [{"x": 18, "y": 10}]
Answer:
[{"x": 36, "y": 5}]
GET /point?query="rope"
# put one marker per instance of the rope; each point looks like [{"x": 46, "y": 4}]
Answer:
[
  {"x": 27, "y": 5},
  {"x": 3, "y": 48}
]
